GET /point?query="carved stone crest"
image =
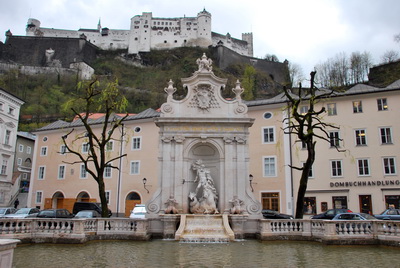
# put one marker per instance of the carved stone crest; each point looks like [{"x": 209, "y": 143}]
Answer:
[{"x": 204, "y": 98}]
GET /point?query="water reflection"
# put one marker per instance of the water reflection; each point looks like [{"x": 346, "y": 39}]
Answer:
[{"x": 161, "y": 253}]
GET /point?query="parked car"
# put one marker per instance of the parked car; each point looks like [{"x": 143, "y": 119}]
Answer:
[
  {"x": 272, "y": 214},
  {"x": 79, "y": 206},
  {"x": 138, "y": 212},
  {"x": 389, "y": 214},
  {"x": 55, "y": 213},
  {"x": 354, "y": 217},
  {"x": 330, "y": 213},
  {"x": 364, "y": 227},
  {"x": 24, "y": 213},
  {"x": 87, "y": 214},
  {"x": 6, "y": 211}
]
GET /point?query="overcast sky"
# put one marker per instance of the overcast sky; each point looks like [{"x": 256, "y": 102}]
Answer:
[{"x": 306, "y": 32}]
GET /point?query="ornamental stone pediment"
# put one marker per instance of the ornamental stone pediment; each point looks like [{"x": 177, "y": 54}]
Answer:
[{"x": 204, "y": 96}]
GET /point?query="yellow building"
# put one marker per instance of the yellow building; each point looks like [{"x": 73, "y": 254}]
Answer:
[{"x": 363, "y": 178}]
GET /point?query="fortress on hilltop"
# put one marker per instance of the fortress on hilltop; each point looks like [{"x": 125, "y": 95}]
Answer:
[{"x": 147, "y": 32}]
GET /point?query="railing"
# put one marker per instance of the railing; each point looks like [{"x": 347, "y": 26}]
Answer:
[
  {"x": 37, "y": 230},
  {"x": 73, "y": 230},
  {"x": 333, "y": 232}
]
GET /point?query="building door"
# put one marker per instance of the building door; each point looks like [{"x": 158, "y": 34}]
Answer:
[
  {"x": 270, "y": 201},
  {"x": 365, "y": 204},
  {"x": 392, "y": 200},
  {"x": 131, "y": 201}
]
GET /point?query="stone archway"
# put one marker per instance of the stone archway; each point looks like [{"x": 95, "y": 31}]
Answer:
[
  {"x": 57, "y": 201},
  {"x": 83, "y": 197},
  {"x": 132, "y": 199}
]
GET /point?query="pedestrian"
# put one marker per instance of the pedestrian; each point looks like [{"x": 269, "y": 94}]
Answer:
[{"x": 16, "y": 203}]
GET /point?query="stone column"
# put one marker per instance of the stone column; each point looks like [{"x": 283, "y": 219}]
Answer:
[{"x": 7, "y": 251}]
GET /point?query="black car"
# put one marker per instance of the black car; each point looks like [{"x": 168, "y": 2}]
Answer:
[
  {"x": 330, "y": 213},
  {"x": 272, "y": 214},
  {"x": 78, "y": 206},
  {"x": 55, "y": 213},
  {"x": 389, "y": 214}
]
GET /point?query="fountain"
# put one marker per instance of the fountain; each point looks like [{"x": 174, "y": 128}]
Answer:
[{"x": 203, "y": 161}]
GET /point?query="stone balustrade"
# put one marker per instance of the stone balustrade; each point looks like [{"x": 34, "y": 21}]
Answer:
[
  {"x": 35, "y": 230},
  {"x": 332, "y": 232}
]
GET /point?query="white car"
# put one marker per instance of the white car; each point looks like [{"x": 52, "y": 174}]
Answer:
[
  {"x": 24, "y": 213},
  {"x": 138, "y": 212}
]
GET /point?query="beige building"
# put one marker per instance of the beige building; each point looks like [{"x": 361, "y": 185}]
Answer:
[{"x": 362, "y": 178}]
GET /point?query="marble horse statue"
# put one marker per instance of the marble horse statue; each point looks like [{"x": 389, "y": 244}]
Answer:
[{"x": 207, "y": 202}]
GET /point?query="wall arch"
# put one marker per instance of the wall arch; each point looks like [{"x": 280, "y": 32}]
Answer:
[{"x": 132, "y": 198}]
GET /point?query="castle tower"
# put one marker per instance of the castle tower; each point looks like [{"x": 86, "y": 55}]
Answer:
[
  {"x": 204, "y": 27},
  {"x": 248, "y": 37},
  {"x": 140, "y": 33},
  {"x": 32, "y": 26}
]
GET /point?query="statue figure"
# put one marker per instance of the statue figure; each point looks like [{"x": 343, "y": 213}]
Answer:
[
  {"x": 170, "y": 204},
  {"x": 236, "y": 205},
  {"x": 207, "y": 203},
  {"x": 204, "y": 63}
]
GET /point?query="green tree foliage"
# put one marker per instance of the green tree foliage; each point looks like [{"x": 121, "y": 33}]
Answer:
[
  {"x": 248, "y": 82},
  {"x": 95, "y": 97}
]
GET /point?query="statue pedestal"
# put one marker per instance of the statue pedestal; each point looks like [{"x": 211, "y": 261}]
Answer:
[
  {"x": 170, "y": 222},
  {"x": 237, "y": 224}
]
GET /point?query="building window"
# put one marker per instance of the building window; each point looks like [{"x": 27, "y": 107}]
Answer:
[
  {"x": 61, "y": 172},
  {"x": 85, "y": 147},
  {"x": 303, "y": 110},
  {"x": 108, "y": 194},
  {"x": 136, "y": 143},
  {"x": 83, "y": 172},
  {"x": 309, "y": 206},
  {"x": 361, "y": 137},
  {"x": 386, "y": 135},
  {"x": 110, "y": 146},
  {"x": 357, "y": 107},
  {"x": 269, "y": 166},
  {"x": 28, "y": 149},
  {"x": 11, "y": 111},
  {"x": 42, "y": 173},
  {"x": 63, "y": 149},
  {"x": 363, "y": 167},
  {"x": 332, "y": 109},
  {"x": 339, "y": 202},
  {"x": 389, "y": 166},
  {"x": 21, "y": 148},
  {"x": 334, "y": 138},
  {"x": 7, "y": 137},
  {"x": 336, "y": 168},
  {"x": 270, "y": 201},
  {"x": 107, "y": 171},
  {"x": 3, "y": 170},
  {"x": 268, "y": 135},
  {"x": 43, "y": 151},
  {"x": 382, "y": 104},
  {"x": 19, "y": 161},
  {"x": 39, "y": 196},
  {"x": 267, "y": 115},
  {"x": 135, "y": 167}
]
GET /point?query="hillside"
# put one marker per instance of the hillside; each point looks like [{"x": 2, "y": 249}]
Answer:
[{"x": 142, "y": 81}]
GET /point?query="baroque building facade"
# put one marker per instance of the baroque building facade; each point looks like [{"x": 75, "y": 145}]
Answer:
[
  {"x": 362, "y": 178},
  {"x": 9, "y": 117},
  {"x": 147, "y": 32}
]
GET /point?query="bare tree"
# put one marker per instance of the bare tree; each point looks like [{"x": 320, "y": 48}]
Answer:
[
  {"x": 390, "y": 56},
  {"x": 306, "y": 126},
  {"x": 96, "y": 99},
  {"x": 296, "y": 74},
  {"x": 271, "y": 57},
  {"x": 359, "y": 66}
]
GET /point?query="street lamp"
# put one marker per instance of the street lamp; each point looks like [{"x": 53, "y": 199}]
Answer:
[
  {"x": 144, "y": 184},
  {"x": 251, "y": 180}
]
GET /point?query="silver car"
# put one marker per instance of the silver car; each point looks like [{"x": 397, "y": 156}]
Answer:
[{"x": 24, "y": 213}]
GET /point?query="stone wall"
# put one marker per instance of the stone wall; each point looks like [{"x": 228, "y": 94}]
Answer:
[{"x": 47, "y": 51}]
